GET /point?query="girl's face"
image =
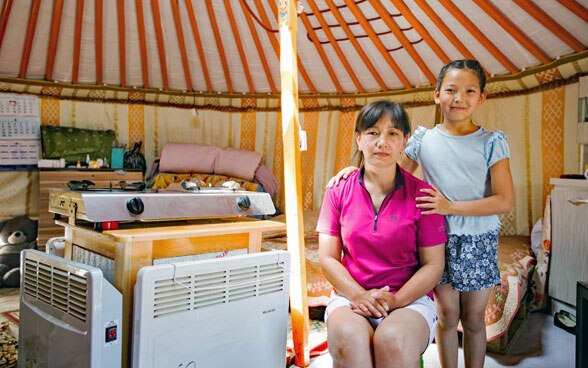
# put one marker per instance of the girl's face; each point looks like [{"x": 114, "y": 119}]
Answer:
[
  {"x": 382, "y": 143},
  {"x": 459, "y": 95}
]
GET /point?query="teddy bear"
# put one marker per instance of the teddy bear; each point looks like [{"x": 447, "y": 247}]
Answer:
[{"x": 16, "y": 234}]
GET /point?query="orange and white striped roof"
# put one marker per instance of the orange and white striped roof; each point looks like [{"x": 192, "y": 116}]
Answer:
[{"x": 232, "y": 46}]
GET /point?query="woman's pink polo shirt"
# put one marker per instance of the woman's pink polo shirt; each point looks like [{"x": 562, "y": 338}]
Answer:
[{"x": 380, "y": 249}]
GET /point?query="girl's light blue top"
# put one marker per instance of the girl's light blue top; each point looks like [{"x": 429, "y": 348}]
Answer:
[{"x": 459, "y": 167}]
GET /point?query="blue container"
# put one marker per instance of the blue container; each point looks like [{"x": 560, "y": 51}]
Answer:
[{"x": 116, "y": 157}]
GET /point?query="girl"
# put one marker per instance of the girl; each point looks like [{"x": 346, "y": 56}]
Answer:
[
  {"x": 468, "y": 168},
  {"x": 382, "y": 256}
]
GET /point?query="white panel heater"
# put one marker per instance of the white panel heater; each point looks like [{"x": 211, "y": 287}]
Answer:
[
  {"x": 70, "y": 316},
  {"x": 222, "y": 313}
]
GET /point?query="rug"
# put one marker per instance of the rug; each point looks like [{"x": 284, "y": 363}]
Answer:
[
  {"x": 317, "y": 336},
  {"x": 9, "y": 317}
]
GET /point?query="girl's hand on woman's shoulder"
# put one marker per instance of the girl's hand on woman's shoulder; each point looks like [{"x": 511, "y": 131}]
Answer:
[
  {"x": 341, "y": 175},
  {"x": 433, "y": 202}
]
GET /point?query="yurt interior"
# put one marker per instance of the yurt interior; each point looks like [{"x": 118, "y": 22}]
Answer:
[{"x": 163, "y": 165}]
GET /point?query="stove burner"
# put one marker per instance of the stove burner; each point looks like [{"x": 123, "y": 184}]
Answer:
[{"x": 85, "y": 186}]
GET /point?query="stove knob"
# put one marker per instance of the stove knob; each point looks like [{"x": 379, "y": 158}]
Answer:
[
  {"x": 243, "y": 203},
  {"x": 135, "y": 206}
]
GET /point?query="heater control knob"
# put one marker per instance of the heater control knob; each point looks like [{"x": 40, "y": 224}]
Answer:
[
  {"x": 243, "y": 203},
  {"x": 135, "y": 206}
]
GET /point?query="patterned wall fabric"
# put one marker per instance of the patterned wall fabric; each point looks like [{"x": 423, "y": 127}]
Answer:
[{"x": 541, "y": 127}]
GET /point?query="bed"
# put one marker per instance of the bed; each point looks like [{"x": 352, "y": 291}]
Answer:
[{"x": 509, "y": 303}]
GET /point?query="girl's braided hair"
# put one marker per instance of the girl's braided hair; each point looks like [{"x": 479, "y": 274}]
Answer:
[{"x": 472, "y": 65}]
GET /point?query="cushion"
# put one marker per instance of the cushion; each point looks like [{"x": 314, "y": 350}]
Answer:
[
  {"x": 237, "y": 163},
  {"x": 183, "y": 158},
  {"x": 188, "y": 158},
  {"x": 74, "y": 144}
]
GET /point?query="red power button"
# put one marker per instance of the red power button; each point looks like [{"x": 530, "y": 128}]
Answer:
[{"x": 111, "y": 334}]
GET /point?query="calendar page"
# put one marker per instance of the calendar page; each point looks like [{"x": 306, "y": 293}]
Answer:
[
  {"x": 19, "y": 128},
  {"x": 25, "y": 152},
  {"x": 19, "y": 105},
  {"x": 20, "y": 132}
]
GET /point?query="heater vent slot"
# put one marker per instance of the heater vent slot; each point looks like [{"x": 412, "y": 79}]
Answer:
[
  {"x": 57, "y": 287},
  {"x": 203, "y": 290}
]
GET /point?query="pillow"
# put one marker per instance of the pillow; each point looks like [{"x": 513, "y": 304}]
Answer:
[
  {"x": 74, "y": 144},
  {"x": 188, "y": 158},
  {"x": 237, "y": 163}
]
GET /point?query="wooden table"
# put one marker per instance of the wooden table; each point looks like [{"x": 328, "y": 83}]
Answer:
[{"x": 141, "y": 244}]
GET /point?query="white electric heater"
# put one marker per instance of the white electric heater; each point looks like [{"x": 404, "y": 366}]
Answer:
[
  {"x": 70, "y": 316},
  {"x": 222, "y": 313}
]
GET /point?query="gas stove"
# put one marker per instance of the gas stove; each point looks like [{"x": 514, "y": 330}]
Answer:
[{"x": 118, "y": 205}]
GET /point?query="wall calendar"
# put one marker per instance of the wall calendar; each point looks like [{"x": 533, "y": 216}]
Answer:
[{"x": 20, "y": 132}]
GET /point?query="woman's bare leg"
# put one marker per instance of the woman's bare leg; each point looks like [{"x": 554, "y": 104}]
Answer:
[
  {"x": 349, "y": 337},
  {"x": 400, "y": 339}
]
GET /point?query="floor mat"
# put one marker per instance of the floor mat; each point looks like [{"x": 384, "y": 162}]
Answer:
[{"x": 317, "y": 339}]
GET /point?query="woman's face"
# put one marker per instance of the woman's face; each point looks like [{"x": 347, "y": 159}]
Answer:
[{"x": 381, "y": 144}]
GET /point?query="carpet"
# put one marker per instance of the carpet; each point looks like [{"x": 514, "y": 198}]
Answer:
[
  {"x": 8, "y": 338},
  {"x": 9, "y": 317},
  {"x": 317, "y": 336}
]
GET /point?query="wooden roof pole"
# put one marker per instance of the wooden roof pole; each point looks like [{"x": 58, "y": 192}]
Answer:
[
  {"x": 53, "y": 39},
  {"x": 513, "y": 30},
  {"x": 350, "y": 72},
  {"x": 287, "y": 19},
  {"x": 160, "y": 44},
  {"x": 444, "y": 29},
  {"x": 122, "y": 57},
  {"x": 356, "y": 11},
  {"x": 551, "y": 25},
  {"x": 275, "y": 43},
  {"x": 77, "y": 41},
  {"x": 479, "y": 35},
  {"x": 401, "y": 37},
  {"x": 142, "y": 42},
  {"x": 319, "y": 48},
  {"x": 259, "y": 48},
  {"x": 239, "y": 43},
  {"x": 99, "y": 16},
  {"x": 219, "y": 45},
  {"x": 575, "y": 8},
  {"x": 198, "y": 42},
  {"x": 356, "y": 45},
  {"x": 31, "y": 25},
  {"x": 421, "y": 30},
  {"x": 4, "y": 18},
  {"x": 182, "y": 43}
]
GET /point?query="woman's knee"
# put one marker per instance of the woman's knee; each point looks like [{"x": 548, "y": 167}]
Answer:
[
  {"x": 344, "y": 338},
  {"x": 395, "y": 345}
]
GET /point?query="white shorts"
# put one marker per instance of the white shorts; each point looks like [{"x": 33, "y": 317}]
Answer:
[{"x": 424, "y": 306}]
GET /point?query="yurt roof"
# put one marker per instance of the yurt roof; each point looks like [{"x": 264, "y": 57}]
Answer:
[{"x": 232, "y": 47}]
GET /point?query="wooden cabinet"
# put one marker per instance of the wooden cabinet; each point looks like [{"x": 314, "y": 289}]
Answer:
[
  {"x": 569, "y": 238},
  {"x": 58, "y": 179}
]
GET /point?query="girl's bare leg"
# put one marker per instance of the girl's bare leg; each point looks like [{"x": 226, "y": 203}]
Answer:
[
  {"x": 448, "y": 308},
  {"x": 473, "y": 308}
]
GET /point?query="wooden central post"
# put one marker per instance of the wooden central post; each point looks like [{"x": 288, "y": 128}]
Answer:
[{"x": 292, "y": 182}]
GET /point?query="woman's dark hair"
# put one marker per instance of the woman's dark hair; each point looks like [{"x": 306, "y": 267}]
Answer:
[
  {"x": 472, "y": 65},
  {"x": 371, "y": 113}
]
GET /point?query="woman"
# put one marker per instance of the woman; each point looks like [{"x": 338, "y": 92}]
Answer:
[{"x": 381, "y": 255}]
